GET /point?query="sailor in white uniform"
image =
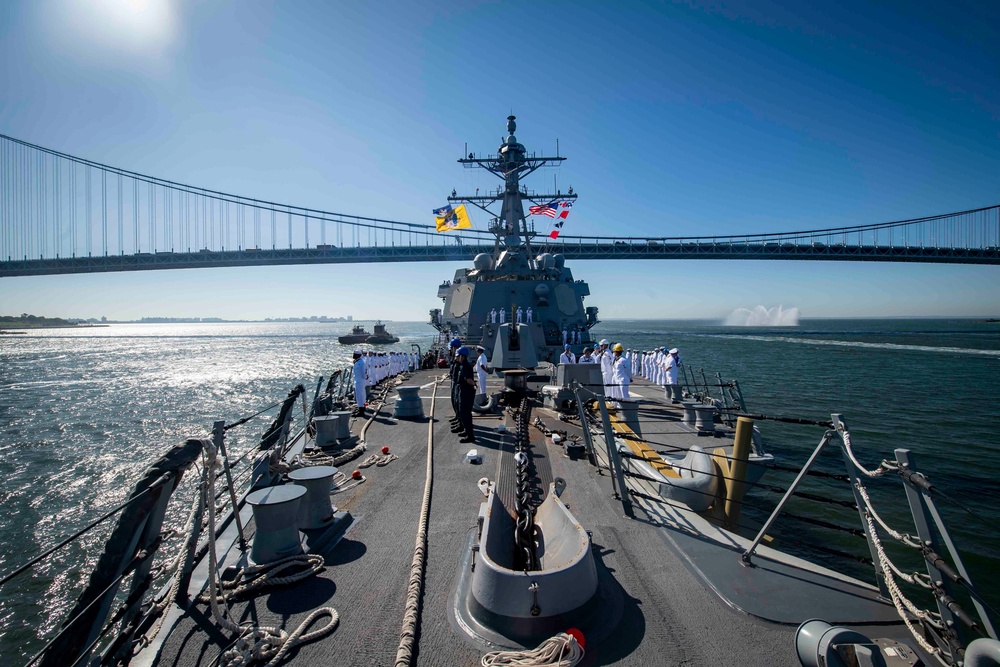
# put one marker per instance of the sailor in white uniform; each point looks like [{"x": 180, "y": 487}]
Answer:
[
  {"x": 503, "y": 315},
  {"x": 621, "y": 375},
  {"x": 567, "y": 357},
  {"x": 529, "y": 315},
  {"x": 671, "y": 365},
  {"x": 520, "y": 315},
  {"x": 482, "y": 368},
  {"x": 604, "y": 357},
  {"x": 493, "y": 315},
  {"x": 360, "y": 394},
  {"x": 565, "y": 336}
]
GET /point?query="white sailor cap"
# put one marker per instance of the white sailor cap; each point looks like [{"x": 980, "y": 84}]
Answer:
[
  {"x": 604, "y": 341},
  {"x": 480, "y": 348},
  {"x": 357, "y": 350},
  {"x": 674, "y": 350}
]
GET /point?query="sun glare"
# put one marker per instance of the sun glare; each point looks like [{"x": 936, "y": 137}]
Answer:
[{"x": 139, "y": 27}]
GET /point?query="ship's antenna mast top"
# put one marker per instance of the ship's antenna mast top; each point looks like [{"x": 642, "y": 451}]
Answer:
[{"x": 511, "y": 163}]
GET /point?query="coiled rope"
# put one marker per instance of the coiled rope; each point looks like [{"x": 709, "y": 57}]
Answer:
[
  {"x": 561, "y": 650},
  {"x": 253, "y": 643},
  {"x": 411, "y": 614}
]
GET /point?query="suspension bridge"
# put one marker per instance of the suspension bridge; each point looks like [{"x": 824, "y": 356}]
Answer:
[{"x": 62, "y": 214}]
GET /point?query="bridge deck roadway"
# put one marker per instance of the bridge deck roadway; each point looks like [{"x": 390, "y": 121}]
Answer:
[{"x": 464, "y": 252}]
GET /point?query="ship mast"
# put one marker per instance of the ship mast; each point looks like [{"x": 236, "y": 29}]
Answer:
[{"x": 511, "y": 163}]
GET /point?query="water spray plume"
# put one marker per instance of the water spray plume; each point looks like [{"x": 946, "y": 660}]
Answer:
[{"x": 764, "y": 317}]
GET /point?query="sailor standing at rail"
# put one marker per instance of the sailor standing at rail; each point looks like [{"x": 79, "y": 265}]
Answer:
[
  {"x": 503, "y": 315},
  {"x": 360, "y": 393},
  {"x": 604, "y": 356},
  {"x": 621, "y": 375},
  {"x": 565, "y": 335},
  {"x": 520, "y": 314},
  {"x": 493, "y": 315},
  {"x": 529, "y": 315},
  {"x": 482, "y": 369},
  {"x": 587, "y": 357},
  {"x": 567, "y": 357},
  {"x": 670, "y": 367}
]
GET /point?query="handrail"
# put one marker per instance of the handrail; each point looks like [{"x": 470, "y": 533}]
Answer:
[{"x": 945, "y": 628}]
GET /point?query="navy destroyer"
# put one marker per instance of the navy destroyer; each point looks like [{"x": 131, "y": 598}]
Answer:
[
  {"x": 532, "y": 299},
  {"x": 589, "y": 525}
]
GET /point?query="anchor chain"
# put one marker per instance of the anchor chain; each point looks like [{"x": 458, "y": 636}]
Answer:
[{"x": 525, "y": 538}]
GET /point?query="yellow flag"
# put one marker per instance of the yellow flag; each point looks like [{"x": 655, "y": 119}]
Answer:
[{"x": 449, "y": 218}]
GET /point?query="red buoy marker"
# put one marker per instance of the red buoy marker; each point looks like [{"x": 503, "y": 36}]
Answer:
[
  {"x": 356, "y": 474},
  {"x": 385, "y": 450}
]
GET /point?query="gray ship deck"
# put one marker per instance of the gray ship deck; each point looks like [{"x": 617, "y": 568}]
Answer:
[{"x": 669, "y": 616}]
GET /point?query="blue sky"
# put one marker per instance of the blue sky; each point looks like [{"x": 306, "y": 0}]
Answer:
[{"x": 677, "y": 118}]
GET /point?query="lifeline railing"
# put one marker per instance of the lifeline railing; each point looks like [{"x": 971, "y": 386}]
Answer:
[
  {"x": 139, "y": 537},
  {"x": 946, "y": 631}
]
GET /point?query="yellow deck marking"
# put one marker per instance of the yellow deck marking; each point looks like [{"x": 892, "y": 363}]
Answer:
[{"x": 639, "y": 447}]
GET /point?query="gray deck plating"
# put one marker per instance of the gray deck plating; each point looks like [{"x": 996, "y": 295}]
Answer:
[{"x": 666, "y": 618}]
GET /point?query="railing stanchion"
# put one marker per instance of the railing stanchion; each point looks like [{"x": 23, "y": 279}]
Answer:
[
  {"x": 748, "y": 554},
  {"x": 614, "y": 458},
  {"x": 219, "y": 439}
]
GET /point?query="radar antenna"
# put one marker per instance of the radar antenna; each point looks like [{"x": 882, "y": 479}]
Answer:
[{"x": 511, "y": 163}]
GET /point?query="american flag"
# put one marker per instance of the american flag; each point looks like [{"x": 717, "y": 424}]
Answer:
[{"x": 549, "y": 209}]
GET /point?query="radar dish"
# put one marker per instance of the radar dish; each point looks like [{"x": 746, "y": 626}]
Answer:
[{"x": 482, "y": 262}]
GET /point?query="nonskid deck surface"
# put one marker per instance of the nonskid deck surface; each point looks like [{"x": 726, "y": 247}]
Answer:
[{"x": 668, "y": 617}]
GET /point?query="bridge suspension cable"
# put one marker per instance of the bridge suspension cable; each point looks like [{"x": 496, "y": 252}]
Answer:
[{"x": 58, "y": 218}]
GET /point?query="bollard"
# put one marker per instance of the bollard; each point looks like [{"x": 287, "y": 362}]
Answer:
[
  {"x": 327, "y": 427},
  {"x": 275, "y": 513},
  {"x": 705, "y": 418},
  {"x": 315, "y": 508},
  {"x": 408, "y": 404}
]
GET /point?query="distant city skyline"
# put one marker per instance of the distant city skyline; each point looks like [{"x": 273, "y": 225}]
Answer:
[{"x": 685, "y": 119}]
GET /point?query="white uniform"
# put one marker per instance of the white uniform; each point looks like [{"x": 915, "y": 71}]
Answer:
[
  {"x": 567, "y": 358},
  {"x": 359, "y": 381},
  {"x": 565, "y": 336},
  {"x": 529, "y": 315},
  {"x": 503, "y": 315},
  {"x": 586, "y": 359},
  {"x": 520, "y": 315},
  {"x": 493, "y": 316},
  {"x": 607, "y": 359},
  {"x": 481, "y": 365},
  {"x": 621, "y": 376},
  {"x": 670, "y": 367}
]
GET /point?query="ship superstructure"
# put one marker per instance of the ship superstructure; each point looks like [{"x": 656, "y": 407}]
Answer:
[{"x": 514, "y": 299}]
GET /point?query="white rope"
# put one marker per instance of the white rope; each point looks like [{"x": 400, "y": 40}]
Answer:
[
  {"x": 254, "y": 577},
  {"x": 883, "y": 468},
  {"x": 905, "y": 539},
  {"x": 900, "y": 601},
  {"x": 411, "y": 613},
  {"x": 561, "y": 650}
]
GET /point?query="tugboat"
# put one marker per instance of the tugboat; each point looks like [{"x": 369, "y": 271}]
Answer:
[
  {"x": 381, "y": 336},
  {"x": 357, "y": 335}
]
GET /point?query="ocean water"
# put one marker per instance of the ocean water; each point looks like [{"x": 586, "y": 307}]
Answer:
[{"x": 84, "y": 411}]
